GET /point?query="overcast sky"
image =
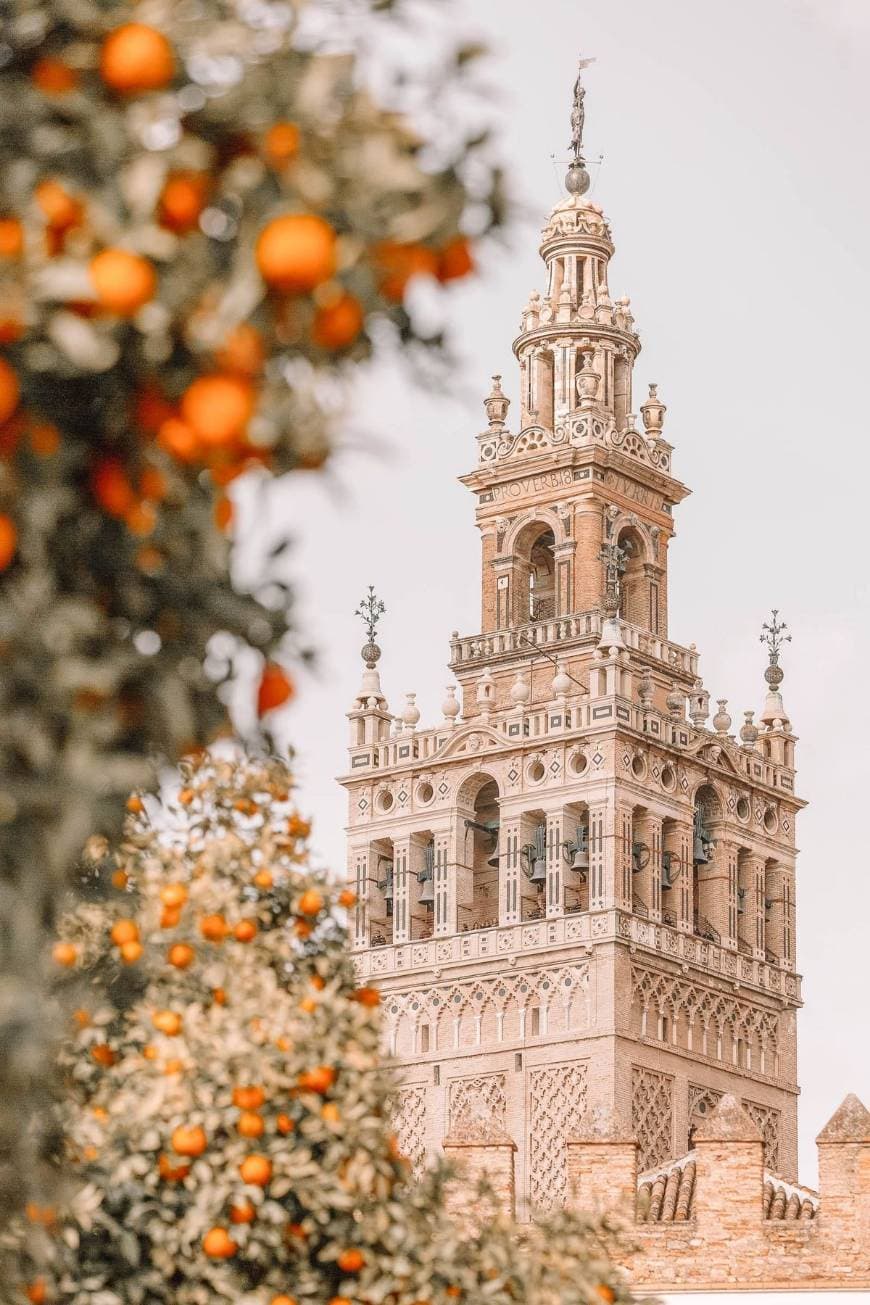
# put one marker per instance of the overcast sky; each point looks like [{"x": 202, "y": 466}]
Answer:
[{"x": 735, "y": 178}]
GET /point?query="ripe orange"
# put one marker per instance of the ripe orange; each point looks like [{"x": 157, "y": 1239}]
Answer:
[
  {"x": 337, "y": 325},
  {"x": 248, "y": 1098},
  {"x": 281, "y": 143},
  {"x": 181, "y": 955},
  {"x": 103, "y": 1054},
  {"x": 178, "y": 439},
  {"x": 351, "y": 1260},
  {"x": 347, "y": 898},
  {"x": 60, "y": 209},
  {"x": 131, "y": 952},
  {"x": 606, "y": 1293},
  {"x": 111, "y": 487},
  {"x": 119, "y": 879},
  {"x": 213, "y": 927},
  {"x": 397, "y": 264},
  {"x": 136, "y": 58},
  {"x": 244, "y": 1212},
  {"x": 296, "y": 252},
  {"x": 367, "y": 996},
  {"x": 256, "y": 1170},
  {"x": 303, "y": 928},
  {"x": 242, "y": 351},
  {"x": 134, "y": 804},
  {"x": 455, "y": 260},
  {"x": 152, "y": 484},
  {"x": 218, "y": 1244},
  {"x": 189, "y": 1141},
  {"x": 37, "y": 1292},
  {"x": 124, "y": 931},
  {"x": 167, "y": 1021},
  {"x": 141, "y": 518},
  {"x": 44, "y": 439},
  {"x": 330, "y": 1113},
  {"x": 283, "y": 1300},
  {"x": 182, "y": 200},
  {"x": 317, "y": 981},
  {"x": 297, "y": 827},
  {"x": 169, "y": 1172},
  {"x": 223, "y": 512},
  {"x": 250, "y": 1124},
  {"x": 275, "y": 689},
  {"x": 123, "y": 281},
  {"x": 285, "y": 1124},
  {"x": 11, "y": 237},
  {"x": 170, "y": 917},
  {"x": 219, "y": 997},
  {"x": 218, "y": 408},
  {"x": 310, "y": 903},
  {"x": 64, "y": 953},
  {"x": 308, "y": 1005},
  {"x": 245, "y": 931},
  {"x": 173, "y": 1067},
  {"x": 263, "y": 879},
  {"x": 9, "y": 391},
  {"x": 52, "y": 76},
  {"x": 173, "y": 894},
  {"x": 320, "y": 1079},
  {"x": 186, "y": 796}
]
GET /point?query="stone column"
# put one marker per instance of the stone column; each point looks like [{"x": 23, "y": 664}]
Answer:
[
  {"x": 589, "y": 532},
  {"x": 623, "y": 889},
  {"x": 509, "y": 895},
  {"x": 600, "y": 850},
  {"x": 445, "y": 912},
  {"x": 648, "y": 880},
  {"x": 401, "y": 894},
  {"x": 360, "y": 878},
  {"x": 555, "y": 898}
]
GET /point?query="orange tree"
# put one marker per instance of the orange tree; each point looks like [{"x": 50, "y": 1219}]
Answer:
[
  {"x": 226, "y": 1120},
  {"x": 205, "y": 220}
]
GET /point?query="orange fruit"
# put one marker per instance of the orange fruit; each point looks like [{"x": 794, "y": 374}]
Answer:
[
  {"x": 135, "y": 804},
  {"x": 455, "y": 260},
  {"x": 140, "y": 519},
  {"x": 178, "y": 439},
  {"x": 150, "y": 408},
  {"x": 337, "y": 325},
  {"x": 309, "y": 1005},
  {"x": 123, "y": 281},
  {"x": 303, "y": 928},
  {"x": 182, "y": 200},
  {"x": 103, "y": 1054},
  {"x": 119, "y": 878},
  {"x": 320, "y": 1079},
  {"x": 347, "y": 898},
  {"x": 218, "y": 408},
  {"x": 317, "y": 981},
  {"x": 367, "y": 996},
  {"x": 275, "y": 688},
  {"x": 167, "y": 1021},
  {"x": 330, "y": 1113},
  {"x": 250, "y": 1124},
  {"x": 351, "y": 1260},
  {"x": 124, "y": 931},
  {"x": 170, "y": 917},
  {"x": 296, "y": 252},
  {"x": 44, "y": 439},
  {"x": 283, "y": 1300},
  {"x": 189, "y": 1141},
  {"x": 244, "y": 1212},
  {"x": 285, "y": 1124},
  {"x": 223, "y": 512},
  {"x": 9, "y": 391},
  {"x": 213, "y": 927},
  {"x": 173, "y": 894},
  {"x": 82, "y": 1017},
  {"x": 186, "y": 796},
  {"x": 245, "y": 931},
  {"x": 60, "y": 209},
  {"x": 152, "y": 484},
  {"x": 606, "y": 1293},
  {"x": 181, "y": 955},
  {"x": 219, "y": 996},
  {"x": 149, "y": 1053},
  {"x": 111, "y": 487},
  {"x": 281, "y": 143},
  {"x": 218, "y": 1244},
  {"x": 310, "y": 903},
  {"x": 256, "y": 1170},
  {"x": 397, "y": 264},
  {"x": 131, "y": 952},
  {"x": 263, "y": 879},
  {"x": 64, "y": 953},
  {"x": 52, "y": 76},
  {"x": 136, "y": 58},
  {"x": 242, "y": 351},
  {"x": 11, "y": 237},
  {"x": 169, "y": 1172},
  {"x": 8, "y": 540},
  {"x": 37, "y": 1292},
  {"x": 173, "y": 1067},
  {"x": 248, "y": 1098}
]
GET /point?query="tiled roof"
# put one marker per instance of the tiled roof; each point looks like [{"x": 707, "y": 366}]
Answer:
[{"x": 666, "y": 1194}]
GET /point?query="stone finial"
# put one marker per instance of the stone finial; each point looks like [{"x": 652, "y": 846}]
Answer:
[
  {"x": 521, "y": 690},
  {"x": 645, "y": 688},
  {"x": 675, "y": 703},
  {"x": 749, "y": 730},
  {"x": 653, "y": 413},
  {"x": 411, "y": 713},
  {"x": 722, "y": 720},
  {"x": 450, "y": 706},
  {"x": 485, "y": 692},
  {"x": 729, "y": 1122},
  {"x": 496, "y": 404},
  {"x": 850, "y": 1122},
  {"x": 588, "y": 381},
  {"x": 699, "y": 705},
  {"x": 561, "y": 682},
  {"x": 773, "y": 634}
]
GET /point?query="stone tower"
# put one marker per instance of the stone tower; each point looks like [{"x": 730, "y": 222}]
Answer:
[{"x": 576, "y": 893}]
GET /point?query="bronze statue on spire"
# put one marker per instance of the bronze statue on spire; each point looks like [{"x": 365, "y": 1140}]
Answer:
[{"x": 577, "y": 179}]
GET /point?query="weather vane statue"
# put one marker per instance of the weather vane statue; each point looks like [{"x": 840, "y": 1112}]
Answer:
[
  {"x": 370, "y": 611},
  {"x": 577, "y": 178}
]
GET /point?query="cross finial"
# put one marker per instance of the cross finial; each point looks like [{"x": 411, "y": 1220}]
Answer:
[
  {"x": 577, "y": 179},
  {"x": 370, "y": 611}
]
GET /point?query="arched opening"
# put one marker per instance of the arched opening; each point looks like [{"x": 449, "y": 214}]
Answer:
[
  {"x": 575, "y": 853},
  {"x": 633, "y": 586},
  {"x": 421, "y": 885},
  {"x": 747, "y": 937},
  {"x": 382, "y": 893},
  {"x": 671, "y": 869},
  {"x": 542, "y": 578},
  {"x": 477, "y": 880},
  {"x": 707, "y": 811},
  {"x": 533, "y": 865}
]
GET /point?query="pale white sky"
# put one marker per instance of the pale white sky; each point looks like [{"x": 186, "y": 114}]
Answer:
[{"x": 736, "y": 182}]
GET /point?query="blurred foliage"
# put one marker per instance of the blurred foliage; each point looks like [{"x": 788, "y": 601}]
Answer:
[
  {"x": 226, "y": 1126},
  {"x": 206, "y": 218}
]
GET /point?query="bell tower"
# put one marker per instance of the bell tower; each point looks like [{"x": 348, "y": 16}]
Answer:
[{"x": 576, "y": 892}]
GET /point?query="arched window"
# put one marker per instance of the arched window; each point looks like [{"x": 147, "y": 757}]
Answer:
[
  {"x": 707, "y": 811},
  {"x": 634, "y": 586},
  {"x": 478, "y": 895},
  {"x": 542, "y": 578}
]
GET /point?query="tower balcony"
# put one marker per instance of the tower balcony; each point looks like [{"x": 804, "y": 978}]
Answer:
[{"x": 556, "y": 634}]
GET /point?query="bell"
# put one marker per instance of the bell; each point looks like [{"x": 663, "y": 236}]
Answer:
[
  {"x": 580, "y": 859},
  {"x": 427, "y": 894},
  {"x": 493, "y": 860},
  {"x": 539, "y": 871},
  {"x": 699, "y": 851}
]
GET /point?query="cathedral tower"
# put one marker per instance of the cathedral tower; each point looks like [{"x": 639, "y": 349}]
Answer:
[{"x": 576, "y": 893}]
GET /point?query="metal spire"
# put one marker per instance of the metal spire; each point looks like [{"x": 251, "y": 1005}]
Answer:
[
  {"x": 577, "y": 178},
  {"x": 370, "y": 611}
]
